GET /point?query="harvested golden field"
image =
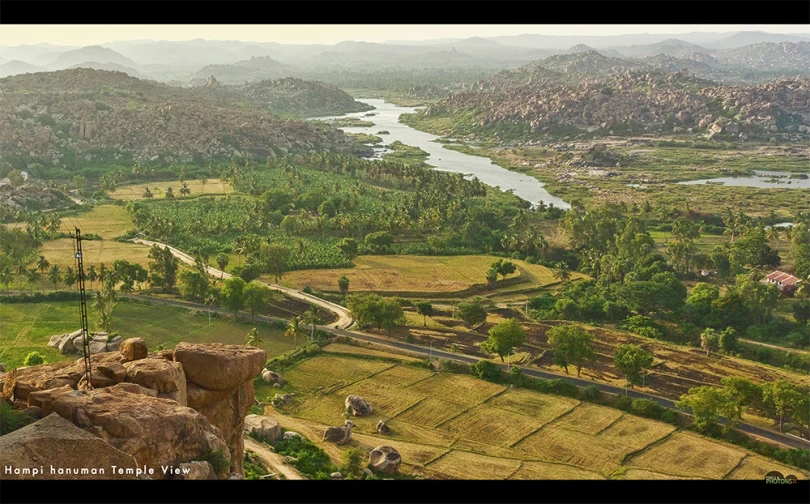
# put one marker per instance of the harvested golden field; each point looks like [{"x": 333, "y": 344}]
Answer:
[
  {"x": 341, "y": 348},
  {"x": 456, "y": 426},
  {"x": 551, "y": 471},
  {"x": 95, "y": 253},
  {"x": 415, "y": 274},
  {"x": 559, "y": 444},
  {"x": 460, "y": 389},
  {"x": 465, "y": 465},
  {"x": 133, "y": 192},
  {"x": 755, "y": 467},
  {"x": 686, "y": 454}
]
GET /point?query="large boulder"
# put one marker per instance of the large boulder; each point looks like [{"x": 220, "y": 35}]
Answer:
[
  {"x": 164, "y": 377},
  {"x": 105, "y": 370},
  {"x": 154, "y": 431},
  {"x": 339, "y": 435},
  {"x": 263, "y": 428},
  {"x": 64, "y": 342},
  {"x": 382, "y": 428},
  {"x": 229, "y": 416},
  {"x": 217, "y": 366},
  {"x": 357, "y": 406},
  {"x": 197, "y": 470},
  {"x": 133, "y": 349},
  {"x": 22, "y": 381},
  {"x": 114, "y": 343},
  {"x": 54, "y": 442},
  {"x": 384, "y": 460},
  {"x": 273, "y": 377}
]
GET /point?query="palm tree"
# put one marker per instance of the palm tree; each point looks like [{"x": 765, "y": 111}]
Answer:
[
  {"x": 6, "y": 276},
  {"x": 55, "y": 275},
  {"x": 70, "y": 277},
  {"x": 42, "y": 266},
  {"x": 294, "y": 329},
  {"x": 203, "y": 181},
  {"x": 53, "y": 224},
  {"x": 253, "y": 339},
  {"x": 311, "y": 317},
  {"x": 562, "y": 272},
  {"x": 32, "y": 276},
  {"x": 147, "y": 193},
  {"x": 92, "y": 275},
  {"x": 773, "y": 234},
  {"x": 185, "y": 191}
]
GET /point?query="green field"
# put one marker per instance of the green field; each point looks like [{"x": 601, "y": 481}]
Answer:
[
  {"x": 133, "y": 192},
  {"x": 456, "y": 426},
  {"x": 27, "y": 327},
  {"x": 417, "y": 274}
]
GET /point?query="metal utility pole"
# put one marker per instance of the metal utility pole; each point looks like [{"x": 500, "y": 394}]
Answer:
[{"x": 83, "y": 307}]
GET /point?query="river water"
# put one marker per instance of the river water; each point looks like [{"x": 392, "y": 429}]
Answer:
[
  {"x": 386, "y": 118},
  {"x": 762, "y": 179}
]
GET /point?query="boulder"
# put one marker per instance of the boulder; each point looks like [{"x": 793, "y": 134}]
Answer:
[
  {"x": 277, "y": 386},
  {"x": 114, "y": 344},
  {"x": 337, "y": 475},
  {"x": 154, "y": 431},
  {"x": 368, "y": 472},
  {"x": 236, "y": 476},
  {"x": 339, "y": 435},
  {"x": 382, "y": 428},
  {"x": 217, "y": 366},
  {"x": 64, "y": 342},
  {"x": 105, "y": 370},
  {"x": 22, "y": 381},
  {"x": 384, "y": 460},
  {"x": 358, "y": 406},
  {"x": 162, "y": 376},
  {"x": 33, "y": 412},
  {"x": 133, "y": 349},
  {"x": 54, "y": 441},
  {"x": 263, "y": 428},
  {"x": 229, "y": 416},
  {"x": 197, "y": 470},
  {"x": 273, "y": 377},
  {"x": 199, "y": 397},
  {"x": 290, "y": 434},
  {"x": 2, "y": 367}
]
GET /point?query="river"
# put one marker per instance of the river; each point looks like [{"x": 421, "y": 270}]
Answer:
[
  {"x": 762, "y": 179},
  {"x": 386, "y": 118}
]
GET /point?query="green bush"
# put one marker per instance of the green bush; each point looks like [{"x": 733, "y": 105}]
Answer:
[
  {"x": 11, "y": 420},
  {"x": 623, "y": 403},
  {"x": 217, "y": 460},
  {"x": 486, "y": 370},
  {"x": 646, "y": 408},
  {"x": 308, "y": 458},
  {"x": 33, "y": 359},
  {"x": 516, "y": 376},
  {"x": 668, "y": 416},
  {"x": 591, "y": 393}
]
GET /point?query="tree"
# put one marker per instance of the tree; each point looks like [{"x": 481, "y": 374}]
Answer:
[
  {"x": 148, "y": 194},
  {"x": 742, "y": 392},
  {"x": 222, "y": 262},
  {"x": 801, "y": 310},
  {"x": 256, "y": 296},
  {"x": 473, "y": 313},
  {"x": 491, "y": 276},
  {"x": 783, "y": 398},
  {"x": 379, "y": 241},
  {"x": 232, "y": 296},
  {"x": 503, "y": 268},
  {"x": 571, "y": 346},
  {"x": 193, "y": 285},
  {"x": 185, "y": 191},
  {"x": 253, "y": 339},
  {"x": 274, "y": 256},
  {"x": 295, "y": 328},
  {"x": 373, "y": 309},
  {"x": 33, "y": 359},
  {"x": 15, "y": 178},
  {"x": 70, "y": 277},
  {"x": 758, "y": 299},
  {"x": 349, "y": 247},
  {"x": 55, "y": 275},
  {"x": 343, "y": 285},
  {"x": 562, "y": 272},
  {"x": 163, "y": 266},
  {"x": 6, "y": 277},
  {"x": 311, "y": 317},
  {"x": 728, "y": 340},
  {"x": 425, "y": 309},
  {"x": 706, "y": 403},
  {"x": 92, "y": 275},
  {"x": 104, "y": 303},
  {"x": 504, "y": 337},
  {"x": 43, "y": 266},
  {"x": 169, "y": 193},
  {"x": 631, "y": 361},
  {"x": 32, "y": 276},
  {"x": 709, "y": 340}
]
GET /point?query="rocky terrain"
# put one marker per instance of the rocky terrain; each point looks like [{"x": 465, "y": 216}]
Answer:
[
  {"x": 89, "y": 113},
  {"x": 790, "y": 57},
  {"x": 536, "y": 100},
  {"x": 178, "y": 408},
  {"x": 253, "y": 69}
]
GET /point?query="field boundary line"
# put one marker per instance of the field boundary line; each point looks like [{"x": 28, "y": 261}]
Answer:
[
  {"x": 534, "y": 431},
  {"x": 606, "y": 427},
  {"x": 441, "y": 455},
  {"x": 557, "y": 418},
  {"x": 736, "y": 466},
  {"x": 456, "y": 416},
  {"x": 519, "y": 467},
  {"x": 412, "y": 406},
  {"x": 635, "y": 453}
]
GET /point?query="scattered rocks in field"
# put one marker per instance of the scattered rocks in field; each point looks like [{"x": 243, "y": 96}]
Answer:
[
  {"x": 336, "y": 475},
  {"x": 339, "y": 435},
  {"x": 277, "y": 386},
  {"x": 357, "y": 406},
  {"x": 382, "y": 428},
  {"x": 273, "y": 377},
  {"x": 262, "y": 427},
  {"x": 385, "y": 460}
]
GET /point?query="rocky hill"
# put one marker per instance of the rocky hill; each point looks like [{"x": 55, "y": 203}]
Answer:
[
  {"x": 254, "y": 69},
  {"x": 183, "y": 408},
  {"x": 92, "y": 113},
  {"x": 292, "y": 97},
  {"x": 792, "y": 57},
  {"x": 632, "y": 103},
  {"x": 90, "y": 53},
  {"x": 590, "y": 62},
  {"x": 15, "y": 67}
]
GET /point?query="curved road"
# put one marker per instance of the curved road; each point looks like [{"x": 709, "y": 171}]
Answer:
[{"x": 344, "y": 321}]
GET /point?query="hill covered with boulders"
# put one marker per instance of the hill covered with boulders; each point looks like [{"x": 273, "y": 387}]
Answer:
[{"x": 102, "y": 115}]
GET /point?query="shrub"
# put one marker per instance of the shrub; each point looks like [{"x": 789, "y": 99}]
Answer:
[
  {"x": 217, "y": 460},
  {"x": 668, "y": 416},
  {"x": 591, "y": 393},
  {"x": 645, "y": 408},
  {"x": 353, "y": 462},
  {"x": 11, "y": 420},
  {"x": 623, "y": 403},
  {"x": 486, "y": 370},
  {"x": 516, "y": 376},
  {"x": 307, "y": 290},
  {"x": 33, "y": 359},
  {"x": 308, "y": 458}
]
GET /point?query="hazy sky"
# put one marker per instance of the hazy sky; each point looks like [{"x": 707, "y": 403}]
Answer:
[{"x": 81, "y": 35}]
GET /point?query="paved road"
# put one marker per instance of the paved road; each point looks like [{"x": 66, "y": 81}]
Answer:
[
  {"x": 274, "y": 461},
  {"x": 775, "y": 347},
  {"x": 344, "y": 321}
]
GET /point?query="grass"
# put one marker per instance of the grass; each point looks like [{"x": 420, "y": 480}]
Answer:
[
  {"x": 27, "y": 327},
  {"x": 107, "y": 221},
  {"x": 756, "y": 467},
  {"x": 133, "y": 192},
  {"x": 414, "y": 274},
  {"x": 95, "y": 253},
  {"x": 456, "y": 426},
  {"x": 340, "y": 348},
  {"x": 348, "y": 122},
  {"x": 406, "y": 154}
]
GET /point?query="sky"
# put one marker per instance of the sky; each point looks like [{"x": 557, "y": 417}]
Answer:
[{"x": 82, "y": 35}]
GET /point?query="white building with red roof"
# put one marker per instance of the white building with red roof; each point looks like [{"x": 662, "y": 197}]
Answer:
[{"x": 786, "y": 282}]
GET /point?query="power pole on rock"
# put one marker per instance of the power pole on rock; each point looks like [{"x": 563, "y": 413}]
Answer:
[{"x": 77, "y": 248}]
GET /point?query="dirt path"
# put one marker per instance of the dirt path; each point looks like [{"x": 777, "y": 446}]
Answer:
[
  {"x": 274, "y": 461},
  {"x": 775, "y": 347},
  {"x": 344, "y": 320}
]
